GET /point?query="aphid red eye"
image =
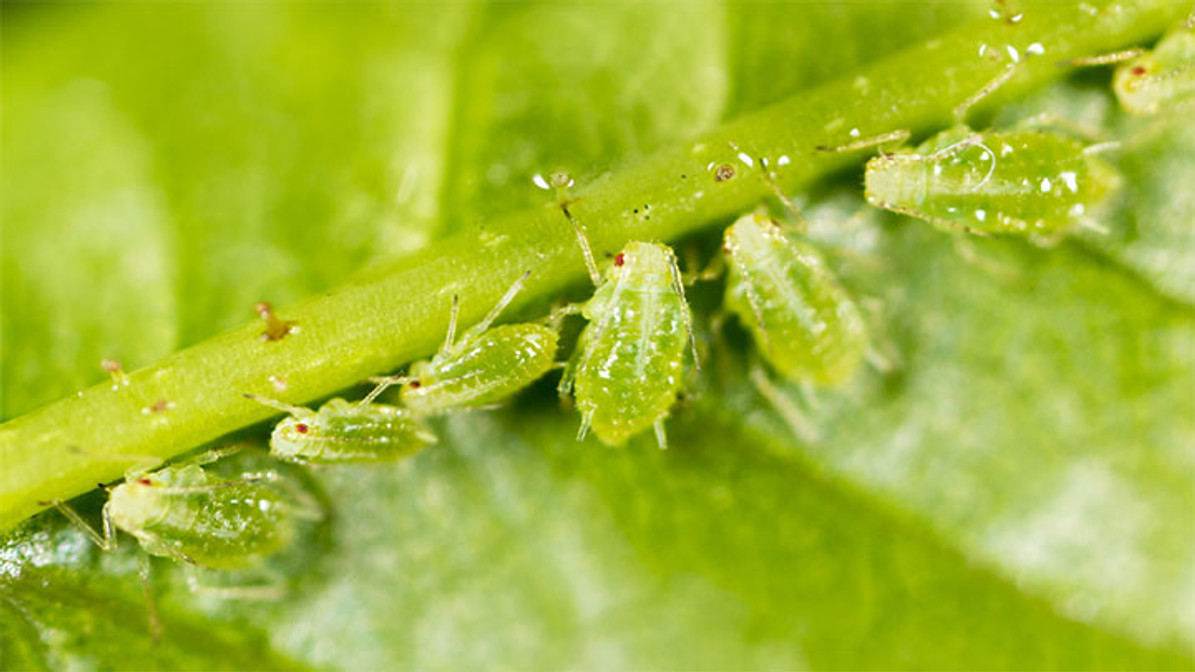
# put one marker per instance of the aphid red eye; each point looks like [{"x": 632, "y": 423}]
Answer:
[
  {"x": 144, "y": 481},
  {"x": 301, "y": 428},
  {"x": 619, "y": 260},
  {"x": 414, "y": 384},
  {"x": 1138, "y": 70}
]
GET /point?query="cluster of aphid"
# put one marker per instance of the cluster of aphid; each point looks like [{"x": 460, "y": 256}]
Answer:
[{"x": 628, "y": 365}]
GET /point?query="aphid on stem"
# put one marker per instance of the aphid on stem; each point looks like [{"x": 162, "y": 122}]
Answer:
[
  {"x": 627, "y": 368},
  {"x": 1022, "y": 182},
  {"x": 343, "y": 432},
  {"x": 484, "y": 367}
]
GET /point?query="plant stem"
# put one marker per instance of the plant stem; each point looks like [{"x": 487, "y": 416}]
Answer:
[{"x": 367, "y": 328}]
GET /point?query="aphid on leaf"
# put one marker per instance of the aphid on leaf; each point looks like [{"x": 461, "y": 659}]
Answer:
[
  {"x": 343, "y": 432},
  {"x": 804, "y": 323},
  {"x": 188, "y": 514},
  {"x": 627, "y": 368},
  {"x": 484, "y": 367},
  {"x": 1019, "y": 182},
  {"x": 1022, "y": 182}
]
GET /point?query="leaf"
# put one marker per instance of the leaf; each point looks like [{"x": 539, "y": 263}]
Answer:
[{"x": 1015, "y": 494}]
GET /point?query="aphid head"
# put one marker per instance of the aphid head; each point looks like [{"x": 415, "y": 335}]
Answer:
[
  {"x": 292, "y": 436},
  {"x": 137, "y": 503},
  {"x": 750, "y": 229},
  {"x": 897, "y": 180}
]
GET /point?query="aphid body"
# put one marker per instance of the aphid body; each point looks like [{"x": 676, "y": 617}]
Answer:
[
  {"x": 1018, "y": 182},
  {"x": 805, "y": 324},
  {"x": 341, "y": 432},
  {"x": 1160, "y": 79},
  {"x": 486, "y": 366},
  {"x": 628, "y": 364},
  {"x": 188, "y": 514}
]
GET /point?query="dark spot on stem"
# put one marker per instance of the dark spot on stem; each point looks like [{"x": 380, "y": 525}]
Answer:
[{"x": 724, "y": 172}]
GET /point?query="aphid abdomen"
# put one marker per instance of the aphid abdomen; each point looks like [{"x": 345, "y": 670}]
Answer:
[
  {"x": 355, "y": 433},
  {"x": 485, "y": 370},
  {"x": 632, "y": 353},
  {"x": 1160, "y": 79},
  {"x": 1017, "y": 182},
  {"x": 804, "y": 323},
  {"x": 185, "y": 513}
]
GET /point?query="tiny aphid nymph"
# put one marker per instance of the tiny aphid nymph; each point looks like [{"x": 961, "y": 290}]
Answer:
[
  {"x": 1019, "y": 182},
  {"x": 629, "y": 362},
  {"x": 484, "y": 367},
  {"x": 343, "y": 432},
  {"x": 804, "y": 323}
]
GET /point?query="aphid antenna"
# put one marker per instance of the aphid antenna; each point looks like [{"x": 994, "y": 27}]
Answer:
[
  {"x": 793, "y": 416},
  {"x": 141, "y": 463},
  {"x": 960, "y": 112},
  {"x": 383, "y": 383},
  {"x": 769, "y": 179},
  {"x": 278, "y": 405},
  {"x": 1104, "y": 59},
  {"x": 502, "y": 304},
  {"x": 679, "y": 287},
  {"x": 991, "y": 167},
  {"x": 1092, "y": 225},
  {"x": 210, "y": 487},
  {"x": 216, "y": 454},
  {"x": 900, "y": 135}
]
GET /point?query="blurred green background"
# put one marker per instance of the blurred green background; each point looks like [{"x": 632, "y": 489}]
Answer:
[{"x": 1017, "y": 493}]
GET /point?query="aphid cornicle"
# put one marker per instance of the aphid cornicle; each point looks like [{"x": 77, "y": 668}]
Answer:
[
  {"x": 629, "y": 361},
  {"x": 486, "y": 366},
  {"x": 191, "y": 515},
  {"x": 1018, "y": 182},
  {"x": 343, "y": 432},
  {"x": 804, "y": 323}
]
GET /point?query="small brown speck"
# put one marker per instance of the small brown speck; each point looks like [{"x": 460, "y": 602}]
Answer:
[
  {"x": 276, "y": 328},
  {"x": 724, "y": 172}
]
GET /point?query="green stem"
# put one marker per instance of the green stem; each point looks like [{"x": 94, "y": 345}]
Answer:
[{"x": 65, "y": 448}]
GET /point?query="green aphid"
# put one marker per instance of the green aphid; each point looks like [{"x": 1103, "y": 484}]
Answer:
[
  {"x": 1018, "y": 182},
  {"x": 485, "y": 367},
  {"x": 1161, "y": 79},
  {"x": 804, "y": 323},
  {"x": 343, "y": 432},
  {"x": 191, "y": 515},
  {"x": 629, "y": 361}
]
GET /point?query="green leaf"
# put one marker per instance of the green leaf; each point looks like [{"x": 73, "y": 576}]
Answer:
[{"x": 1015, "y": 492}]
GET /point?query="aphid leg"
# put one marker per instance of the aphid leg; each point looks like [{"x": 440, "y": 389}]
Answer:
[
  {"x": 960, "y": 112},
  {"x": 792, "y": 415},
  {"x": 106, "y": 542},
  {"x": 1101, "y": 147},
  {"x": 383, "y": 383},
  {"x": 679, "y": 288},
  {"x": 481, "y": 327},
  {"x": 1105, "y": 59},
  {"x": 661, "y": 435},
  {"x": 565, "y": 388},
  {"x": 1047, "y": 120},
  {"x": 965, "y": 250},
  {"x": 151, "y": 602},
  {"x": 302, "y": 504},
  {"x": 881, "y": 352},
  {"x": 279, "y": 405},
  {"x": 899, "y": 136},
  {"x": 215, "y": 454},
  {"x": 273, "y": 590},
  {"x": 586, "y": 420},
  {"x": 454, "y": 314}
]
